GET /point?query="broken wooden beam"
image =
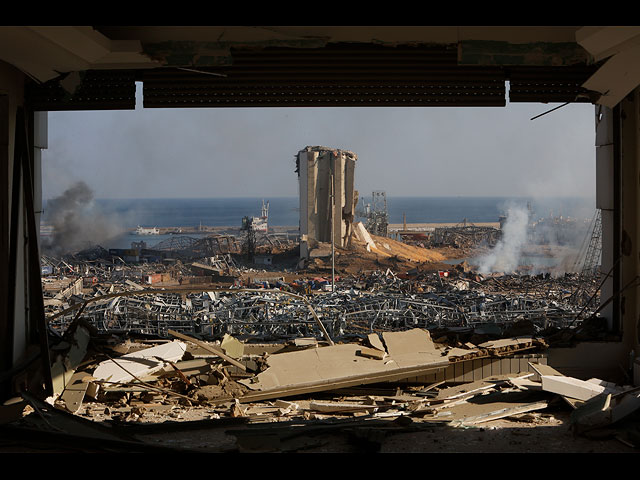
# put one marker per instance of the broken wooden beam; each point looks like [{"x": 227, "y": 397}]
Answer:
[{"x": 208, "y": 348}]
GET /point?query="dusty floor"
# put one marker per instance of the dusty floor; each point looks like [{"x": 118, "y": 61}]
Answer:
[{"x": 533, "y": 433}]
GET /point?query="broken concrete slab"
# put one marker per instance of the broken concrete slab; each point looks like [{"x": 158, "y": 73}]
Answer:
[
  {"x": 232, "y": 346},
  {"x": 198, "y": 366},
  {"x": 362, "y": 235},
  {"x": 409, "y": 342},
  {"x": 375, "y": 342},
  {"x": 75, "y": 391},
  {"x": 542, "y": 369},
  {"x": 209, "y": 348},
  {"x": 571, "y": 387},
  {"x": 371, "y": 353},
  {"x": 127, "y": 367},
  {"x": 341, "y": 407},
  {"x": 605, "y": 409},
  {"x": 305, "y": 342},
  {"x": 471, "y": 389},
  {"x": 63, "y": 368},
  {"x": 507, "y": 345},
  {"x": 340, "y": 366},
  {"x": 526, "y": 383},
  {"x": 494, "y": 411}
]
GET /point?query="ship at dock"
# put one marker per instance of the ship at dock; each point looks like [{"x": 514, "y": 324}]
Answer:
[{"x": 146, "y": 231}]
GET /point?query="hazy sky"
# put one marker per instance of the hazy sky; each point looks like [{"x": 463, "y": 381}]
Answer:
[{"x": 231, "y": 152}]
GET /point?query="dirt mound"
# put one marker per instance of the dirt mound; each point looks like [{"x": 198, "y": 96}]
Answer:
[
  {"x": 392, "y": 248},
  {"x": 387, "y": 253}
]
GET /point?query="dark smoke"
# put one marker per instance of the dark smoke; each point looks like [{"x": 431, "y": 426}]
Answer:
[{"x": 77, "y": 222}]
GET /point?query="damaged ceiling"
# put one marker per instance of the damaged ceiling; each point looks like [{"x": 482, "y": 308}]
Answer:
[{"x": 78, "y": 68}]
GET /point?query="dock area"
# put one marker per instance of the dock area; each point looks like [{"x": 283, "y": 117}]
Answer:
[
  {"x": 428, "y": 227},
  {"x": 206, "y": 229}
]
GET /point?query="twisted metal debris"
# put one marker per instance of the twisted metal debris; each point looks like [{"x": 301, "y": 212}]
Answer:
[{"x": 387, "y": 305}]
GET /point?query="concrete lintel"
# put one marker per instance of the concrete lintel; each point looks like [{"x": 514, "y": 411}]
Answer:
[
  {"x": 602, "y": 42},
  {"x": 617, "y": 77}
]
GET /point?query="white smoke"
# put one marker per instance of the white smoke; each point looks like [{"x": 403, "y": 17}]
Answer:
[{"x": 505, "y": 256}]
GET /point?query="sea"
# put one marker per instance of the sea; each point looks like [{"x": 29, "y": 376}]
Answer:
[{"x": 284, "y": 211}]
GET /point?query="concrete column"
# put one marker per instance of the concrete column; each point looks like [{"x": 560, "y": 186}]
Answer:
[
  {"x": 40, "y": 138},
  {"x": 629, "y": 213},
  {"x": 605, "y": 201}
]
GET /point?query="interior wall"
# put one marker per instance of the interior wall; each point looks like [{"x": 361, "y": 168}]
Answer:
[
  {"x": 618, "y": 197},
  {"x": 12, "y": 330},
  {"x": 629, "y": 215},
  {"x": 24, "y": 352},
  {"x": 605, "y": 201}
]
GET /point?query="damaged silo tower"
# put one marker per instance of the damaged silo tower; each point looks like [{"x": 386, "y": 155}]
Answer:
[{"x": 316, "y": 166}]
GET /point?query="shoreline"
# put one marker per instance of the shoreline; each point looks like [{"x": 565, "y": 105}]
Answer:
[{"x": 393, "y": 227}]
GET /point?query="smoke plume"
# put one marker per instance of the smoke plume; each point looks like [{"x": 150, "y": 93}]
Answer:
[
  {"x": 505, "y": 256},
  {"x": 77, "y": 222}
]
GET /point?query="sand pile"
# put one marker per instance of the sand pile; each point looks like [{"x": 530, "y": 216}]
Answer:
[{"x": 392, "y": 248}]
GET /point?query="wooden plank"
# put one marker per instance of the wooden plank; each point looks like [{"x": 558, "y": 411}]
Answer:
[{"x": 208, "y": 348}]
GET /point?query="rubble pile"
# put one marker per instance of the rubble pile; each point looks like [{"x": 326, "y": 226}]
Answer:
[
  {"x": 407, "y": 349},
  {"x": 392, "y": 383}
]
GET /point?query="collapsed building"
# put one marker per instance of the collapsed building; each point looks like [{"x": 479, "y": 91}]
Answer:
[
  {"x": 465, "y": 236},
  {"x": 327, "y": 198}
]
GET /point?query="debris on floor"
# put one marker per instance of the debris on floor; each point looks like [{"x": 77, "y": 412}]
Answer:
[{"x": 137, "y": 383}]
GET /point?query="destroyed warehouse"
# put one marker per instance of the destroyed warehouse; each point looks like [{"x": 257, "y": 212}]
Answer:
[{"x": 363, "y": 339}]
